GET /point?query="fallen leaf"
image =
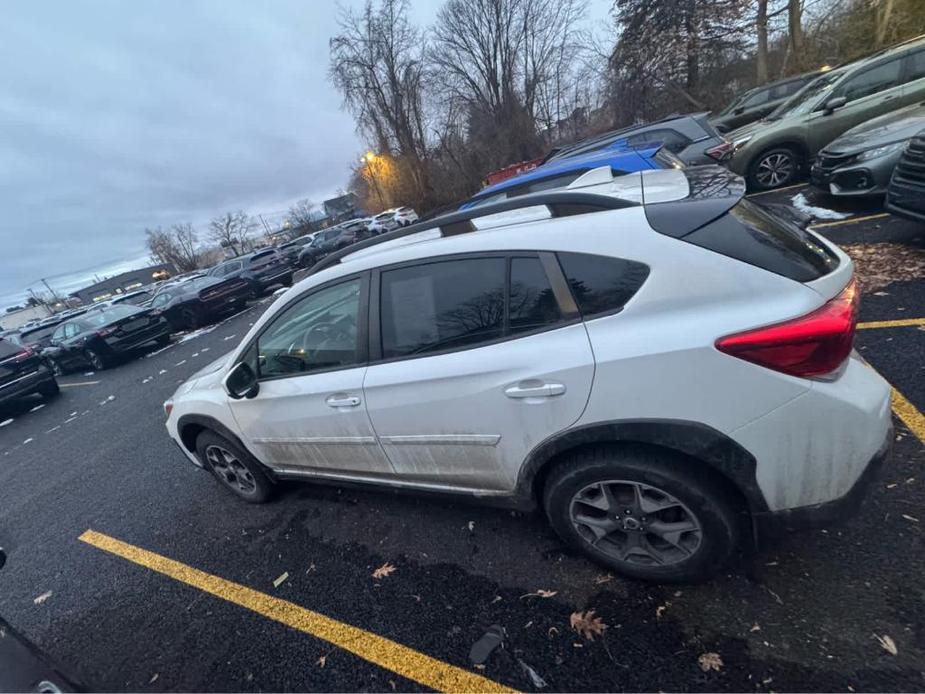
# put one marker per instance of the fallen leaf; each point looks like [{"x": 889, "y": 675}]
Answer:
[
  {"x": 551, "y": 632},
  {"x": 660, "y": 610},
  {"x": 910, "y": 518},
  {"x": 383, "y": 571},
  {"x": 540, "y": 593},
  {"x": 279, "y": 581},
  {"x": 587, "y": 624},
  {"x": 888, "y": 644},
  {"x": 322, "y": 659},
  {"x": 311, "y": 567},
  {"x": 42, "y": 598},
  {"x": 604, "y": 578},
  {"x": 153, "y": 678},
  {"x": 755, "y": 628},
  {"x": 497, "y": 598},
  {"x": 471, "y": 526},
  {"x": 710, "y": 661},
  {"x": 892, "y": 486}
]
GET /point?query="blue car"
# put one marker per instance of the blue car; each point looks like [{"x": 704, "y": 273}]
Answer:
[{"x": 561, "y": 172}]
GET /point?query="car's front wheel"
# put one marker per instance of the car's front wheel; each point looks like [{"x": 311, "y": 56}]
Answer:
[
  {"x": 49, "y": 389},
  {"x": 774, "y": 168},
  {"x": 234, "y": 467},
  {"x": 56, "y": 367},
  {"x": 643, "y": 512},
  {"x": 94, "y": 359}
]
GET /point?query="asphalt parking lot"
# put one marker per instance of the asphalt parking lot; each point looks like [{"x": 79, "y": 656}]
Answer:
[{"x": 181, "y": 586}]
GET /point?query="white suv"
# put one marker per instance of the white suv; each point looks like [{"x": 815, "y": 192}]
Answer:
[{"x": 659, "y": 364}]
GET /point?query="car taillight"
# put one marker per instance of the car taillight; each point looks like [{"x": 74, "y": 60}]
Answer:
[
  {"x": 721, "y": 152},
  {"x": 813, "y": 345},
  {"x": 104, "y": 332},
  {"x": 24, "y": 354}
]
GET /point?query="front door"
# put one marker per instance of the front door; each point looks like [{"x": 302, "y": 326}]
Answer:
[
  {"x": 309, "y": 415},
  {"x": 479, "y": 364}
]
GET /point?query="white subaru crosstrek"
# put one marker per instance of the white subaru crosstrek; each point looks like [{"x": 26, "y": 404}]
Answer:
[{"x": 662, "y": 366}]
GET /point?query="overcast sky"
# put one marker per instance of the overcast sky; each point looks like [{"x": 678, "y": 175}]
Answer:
[{"x": 120, "y": 115}]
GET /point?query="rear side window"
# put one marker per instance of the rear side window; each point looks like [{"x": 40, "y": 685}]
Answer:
[
  {"x": 756, "y": 236},
  {"x": 915, "y": 66},
  {"x": 671, "y": 139},
  {"x": 601, "y": 284},
  {"x": 533, "y": 304},
  {"x": 441, "y": 306}
]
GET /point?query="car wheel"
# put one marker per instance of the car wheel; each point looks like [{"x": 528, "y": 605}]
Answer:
[
  {"x": 50, "y": 389},
  {"x": 235, "y": 468},
  {"x": 190, "y": 318},
  {"x": 774, "y": 168},
  {"x": 95, "y": 359},
  {"x": 643, "y": 512},
  {"x": 56, "y": 367}
]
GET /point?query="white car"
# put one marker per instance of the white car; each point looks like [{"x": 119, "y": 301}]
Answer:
[
  {"x": 405, "y": 216},
  {"x": 661, "y": 379}
]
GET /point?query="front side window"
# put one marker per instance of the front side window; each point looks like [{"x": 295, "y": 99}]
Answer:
[
  {"x": 756, "y": 99},
  {"x": 601, "y": 284},
  {"x": 317, "y": 333},
  {"x": 440, "y": 306},
  {"x": 872, "y": 81}
]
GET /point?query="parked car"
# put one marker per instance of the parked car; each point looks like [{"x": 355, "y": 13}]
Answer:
[
  {"x": 100, "y": 336},
  {"x": 560, "y": 173},
  {"x": 261, "y": 270},
  {"x": 38, "y": 336},
  {"x": 384, "y": 222},
  {"x": 777, "y": 150},
  {"x": 756, "y": 103},
  {"x": 659, "y": 392},
  {"x": 691, "y": 138},
  {"x": 906, "y": 193},
  {"x": 197, "y": 302},
  {"x": 291, "y": 249},
  {"x": 23, "y": 372},
  {"x": 861, "y": 161},
  {"x": 341, "y": 236}
]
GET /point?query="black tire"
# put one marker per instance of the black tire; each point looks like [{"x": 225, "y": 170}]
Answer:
[
  {"x": 774, "y": 168},
  {"x": 95, "y": 359},
  {"x": 56, "y": 367},
  {"x": 662, "y": 478},
  {"x": 246, "y": 479},
  {"x": 163, "y": 340},
  {"x": 49, "y": 389},
  {"x": 190, "y": 318}
]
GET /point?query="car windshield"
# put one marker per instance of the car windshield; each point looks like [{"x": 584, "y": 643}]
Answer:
[
  {"x": 104, "y": 316},
  {"x": 805, "y": 99}
]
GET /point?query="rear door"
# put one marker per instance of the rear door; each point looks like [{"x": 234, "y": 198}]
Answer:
[{"x": 479, "y": 360}]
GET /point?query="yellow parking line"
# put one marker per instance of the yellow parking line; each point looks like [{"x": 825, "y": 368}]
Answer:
[
  {"x": 779, "y": 190},
  {"x": 375, "y": 649},
  {"x": 850, "y": 220},
  {"x": 909, "y": 415},
  {"x": 901, "y": 323}
]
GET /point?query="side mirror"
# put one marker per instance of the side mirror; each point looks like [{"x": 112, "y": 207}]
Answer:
[
  {"x": 834, "y": 103},
  {"x": 241, "y": 382}
]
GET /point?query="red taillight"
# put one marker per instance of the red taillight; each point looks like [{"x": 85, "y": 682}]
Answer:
[
  {"x": 24, "y": 354},
  {"x": 105, "y": 332},
  {"x": 813, "y": 345},
  {"x": 721, "y": 152}
]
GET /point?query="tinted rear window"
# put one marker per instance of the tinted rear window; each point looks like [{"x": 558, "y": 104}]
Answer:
[
  {"x": 533, "y": 305},
  {"x": 749, "y": 233},
  {"x": 601, "y": 284}
]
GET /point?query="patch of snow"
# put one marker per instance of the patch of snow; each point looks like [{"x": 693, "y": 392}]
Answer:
[
  {"x": 230, "y": 337},
  {"x": 157, "y": 351},
  {"x": 28, "y": 440},
  {"x": 53, "y": 429},
  {"x": 204, "y": 349},
  {"x": 70, "y": 420},
  {"x": 162, "y": 371},
  {"x": 802, "y": 204},
  {"x": 73, "y": 414},
  {"x": 5, "y": 422},
  {"x": 180, "y": 363},
  {"x": 90, "y": 373},
  {"x": 195, "y": 354},
  {"x": 37, "y": 408},
  {"x": 85, "y": 412},
  {"x": 109, "y": 399},
  {"x": 186, "y": 337}
]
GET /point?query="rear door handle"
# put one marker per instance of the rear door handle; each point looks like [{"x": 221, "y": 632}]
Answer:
[
  {"x": 534, "y": 389},
  {"x": 341, "y": 400}
]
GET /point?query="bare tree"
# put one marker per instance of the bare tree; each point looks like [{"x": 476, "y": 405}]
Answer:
[
  {"x": 230, "y": 230},
  {"x": 301, "y": 213},
  {"x": 176, "y": 246},
  {"x": 761, "y": 53}
]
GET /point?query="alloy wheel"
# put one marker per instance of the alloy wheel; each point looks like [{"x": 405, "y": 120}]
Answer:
[
  {"x": 635, "y": 523},
  {"x": 231, "y": 471},
  {"x": 96, "y": 361},
  {"x": 56, "y": 367},
  {"x": 774, "y": 170}
]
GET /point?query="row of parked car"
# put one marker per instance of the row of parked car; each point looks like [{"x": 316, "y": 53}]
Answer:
[
  {"x": 846, "y": 127},
  {"x": 100, "y": 335}
]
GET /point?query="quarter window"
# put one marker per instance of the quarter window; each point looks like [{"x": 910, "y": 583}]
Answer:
[
  {"x": 601, "y": 284},
  {"x": 440, "y": 306},
  {"x": 915, "y": 66},
  {"x": 317, "y": 333},
  {"x": 671, "y": 139}
]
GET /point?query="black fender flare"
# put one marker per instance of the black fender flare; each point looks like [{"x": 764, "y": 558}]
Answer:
[
  {"x": 189, "y": 426},
  {"x": 693, "y": 439}
]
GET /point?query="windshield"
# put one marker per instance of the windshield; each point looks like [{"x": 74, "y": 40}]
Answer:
[
  {"x": 805, "y": 99},
  {"x": 96, "y": 319}
]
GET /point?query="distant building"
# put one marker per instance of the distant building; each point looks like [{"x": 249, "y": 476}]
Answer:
[
  {"x": 11, "y": 320},
  {"x": 126, "y": 282},
  {"x": 343, "y": 207}
]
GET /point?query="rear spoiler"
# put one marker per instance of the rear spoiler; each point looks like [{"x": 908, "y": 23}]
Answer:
[{"x": 714, "y": 190}]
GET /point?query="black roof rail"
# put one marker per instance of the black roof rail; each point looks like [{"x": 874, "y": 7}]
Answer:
[{"x": 561, "y": 203}]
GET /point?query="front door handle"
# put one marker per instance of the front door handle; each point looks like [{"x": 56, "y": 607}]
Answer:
[
  {"x": 534, "y": 389},
  {"x": 341, "y": 400}
]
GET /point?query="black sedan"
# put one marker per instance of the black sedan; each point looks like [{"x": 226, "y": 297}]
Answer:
[
  {"x": 327, "y": 242},
  {"x": 262, "y": 270},
  {"x": 101, "y": 335},
  {"x": 201, "y": 300},
  {"x": 22, "y": 372}
]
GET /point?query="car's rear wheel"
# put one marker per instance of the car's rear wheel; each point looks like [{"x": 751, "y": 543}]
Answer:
[
  {"x": 643, "y": 512},
  {"x": 190, "y": 318},
  {"x": 774, "y": 168},
  {"x": 55, "y": 367},
  {"x": 94, "y": 359},
  {"x": 234, "y": 467},
  {"x": 49, "y": 389}
]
